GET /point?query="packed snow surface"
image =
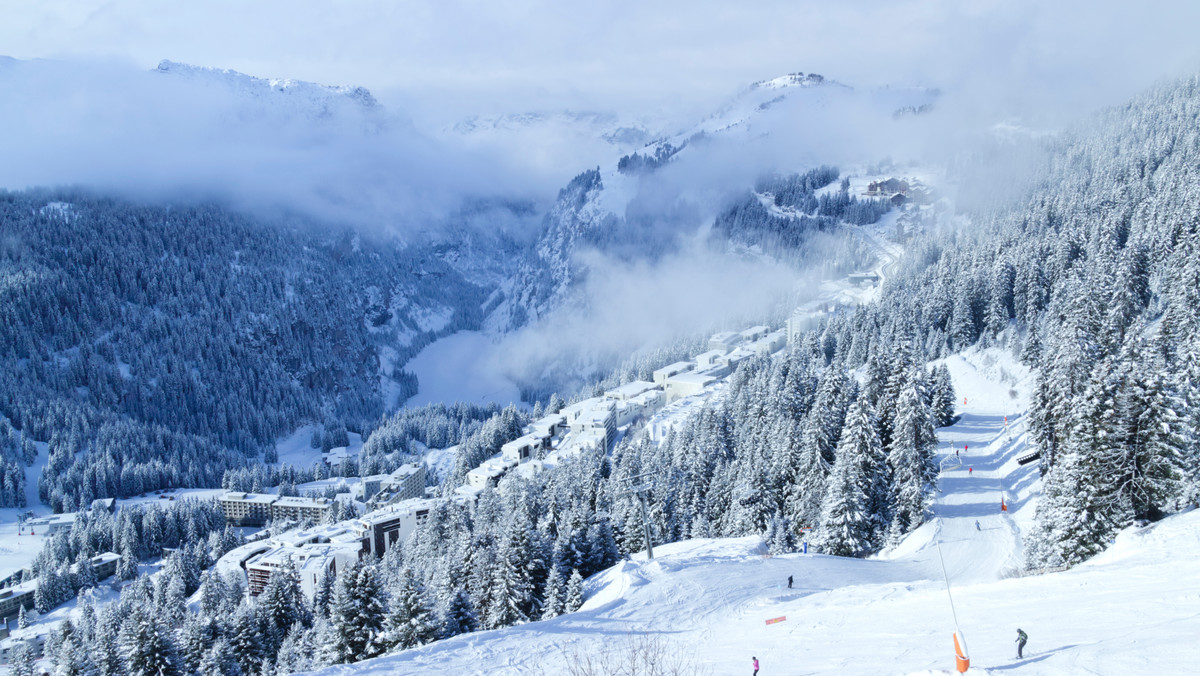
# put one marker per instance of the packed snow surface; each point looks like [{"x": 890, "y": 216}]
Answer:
[
  {"x": 1130, "y": 610},
  {"x": 461, "y": 367}
]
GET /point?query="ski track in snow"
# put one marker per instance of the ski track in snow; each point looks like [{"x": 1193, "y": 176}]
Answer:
[{"x": 1124, "y": 612}]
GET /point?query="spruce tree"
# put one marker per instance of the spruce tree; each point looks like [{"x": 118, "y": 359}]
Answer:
[
  {"x": 146, "y": 646},
  {"x": 459, "y": 616},
  {"x": 357, "y": 615},
  {"x": 282, "y": 604},
  {"x": 247, "y": 644},
  {"x": 410, "y": 622},
  {"x": 556, "y": 593},
  {"x": 913, "y": 462},
  {"x": 574, "y": 592},
  {"x": 846, "y": 522}
]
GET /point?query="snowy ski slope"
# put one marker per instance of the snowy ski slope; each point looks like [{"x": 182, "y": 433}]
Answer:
[{"x": 1133, "y": 610}]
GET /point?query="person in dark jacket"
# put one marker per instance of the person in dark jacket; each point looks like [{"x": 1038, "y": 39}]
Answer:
[
  {"x": 1022, "y": 637},
  {"x": 789, "y": 581}
]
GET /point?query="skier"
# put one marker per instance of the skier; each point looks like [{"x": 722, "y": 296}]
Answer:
[
  {"x": 1022, "y": 637},
  {"x": 755, "y": 665},
  {"x": 977, "y": 525},
  {"x": 789, "y": 581},
  {"x": 970, "y": 470}
]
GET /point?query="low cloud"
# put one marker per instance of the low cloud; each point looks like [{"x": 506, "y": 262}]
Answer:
[
  {"x": 193, "y": 133},
  {"x": 625, "y": 306}
]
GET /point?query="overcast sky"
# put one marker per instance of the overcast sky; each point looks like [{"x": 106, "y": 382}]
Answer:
[
  {"x": 633, "y": 55},
  {"x": 90, "y": 112}
]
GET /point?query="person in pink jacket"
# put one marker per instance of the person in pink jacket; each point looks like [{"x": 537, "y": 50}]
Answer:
[{"x": 755, "y": 665}]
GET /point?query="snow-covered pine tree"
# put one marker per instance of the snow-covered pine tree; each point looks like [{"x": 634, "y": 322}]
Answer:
[
  {"x": 846, "y": 524},
  {"x": 196, "y": 636},
  {"x": 574, "y": 592},
  {"x": 511, "y": 596},
  {"x": 219, "y": 660},
  {"x": 323, "y": 594},
  {"x": 459, "y": 616},
  {"x": 410, "y": 622},
  {"x": 556, "y": 595},
  {"x": 23, "y": 661},
  {"x": 942, "y": 396},
  {"x": 104, "y": 648},
  {"x": 807, "y": 492},
  {"x": 357, "y": 615},
  {"x": 1151, "y": 461},
  {"x": 247, "y": 643},
  {"x": 146, "y": 646},
  {"x": 282, "y": 604},
  {"x": 1081, "y": 508},
  {"x": 913, "y": 462}
]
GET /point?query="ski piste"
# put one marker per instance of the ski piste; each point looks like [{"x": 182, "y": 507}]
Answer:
[{"x": 888, "y": 613}]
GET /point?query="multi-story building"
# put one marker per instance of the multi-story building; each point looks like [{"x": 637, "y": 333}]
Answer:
[
  {"x": 12, "y": 598},
  {"x": 661, "y": 375},
  {"x": 724, "y": 341},
  {"x": 255, "y": 509},
  {"x": 405, "y": 483},
  {"x": 300, "y": 509},
  {"x": 391, "y": 526},
  {"x": 311, "y": 560},
  {"x": 247, "y": 509}
]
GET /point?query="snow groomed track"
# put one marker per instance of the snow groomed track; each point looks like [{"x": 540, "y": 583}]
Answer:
[{"x": 1129, "y": 611}]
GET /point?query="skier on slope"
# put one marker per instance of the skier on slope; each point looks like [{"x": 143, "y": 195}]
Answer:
[
  {"x": 1022, "y": 637},
  {"x": 755, "y": 665},
  {"x": 977, "y": 525},
  {"x": 789, "y": 581}
]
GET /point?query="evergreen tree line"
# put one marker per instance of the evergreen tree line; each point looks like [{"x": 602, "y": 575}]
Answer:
[
  {"x": 127, "y": 320},
  {"x": 1091, "y": 278},
  {"x": 635, "y": 164},
  {"x": 16, "y": 452},
  {"x": 796, "y": 444}
]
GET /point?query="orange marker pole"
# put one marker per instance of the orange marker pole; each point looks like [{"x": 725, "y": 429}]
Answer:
[{"x": 962, "y": 660}]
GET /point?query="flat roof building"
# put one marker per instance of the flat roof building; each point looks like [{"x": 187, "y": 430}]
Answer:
[
  {"x": 299, "y": 509},
  {"x": 247, "y": 509},
  {"x": 709, "y": 359},
  {"x": 754, "y": 333},
  {"x": 629, "y": 390},
  {"x": 405, "y": 483},
  {"x": 687, "y": 384},
  {"x": 661, "y": 375},
  {"x": 724, "y": 341},
  {"x": 525, "y": 448}
]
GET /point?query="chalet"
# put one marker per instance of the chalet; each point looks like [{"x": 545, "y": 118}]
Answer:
[{"x": 891, "y": 186}]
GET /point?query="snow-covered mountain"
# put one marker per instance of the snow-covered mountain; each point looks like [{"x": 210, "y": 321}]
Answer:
[
  {"x": 312, "y": 101},
  {"x": 620, "y": 204},
  {"x": 583, "y": 124}
]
